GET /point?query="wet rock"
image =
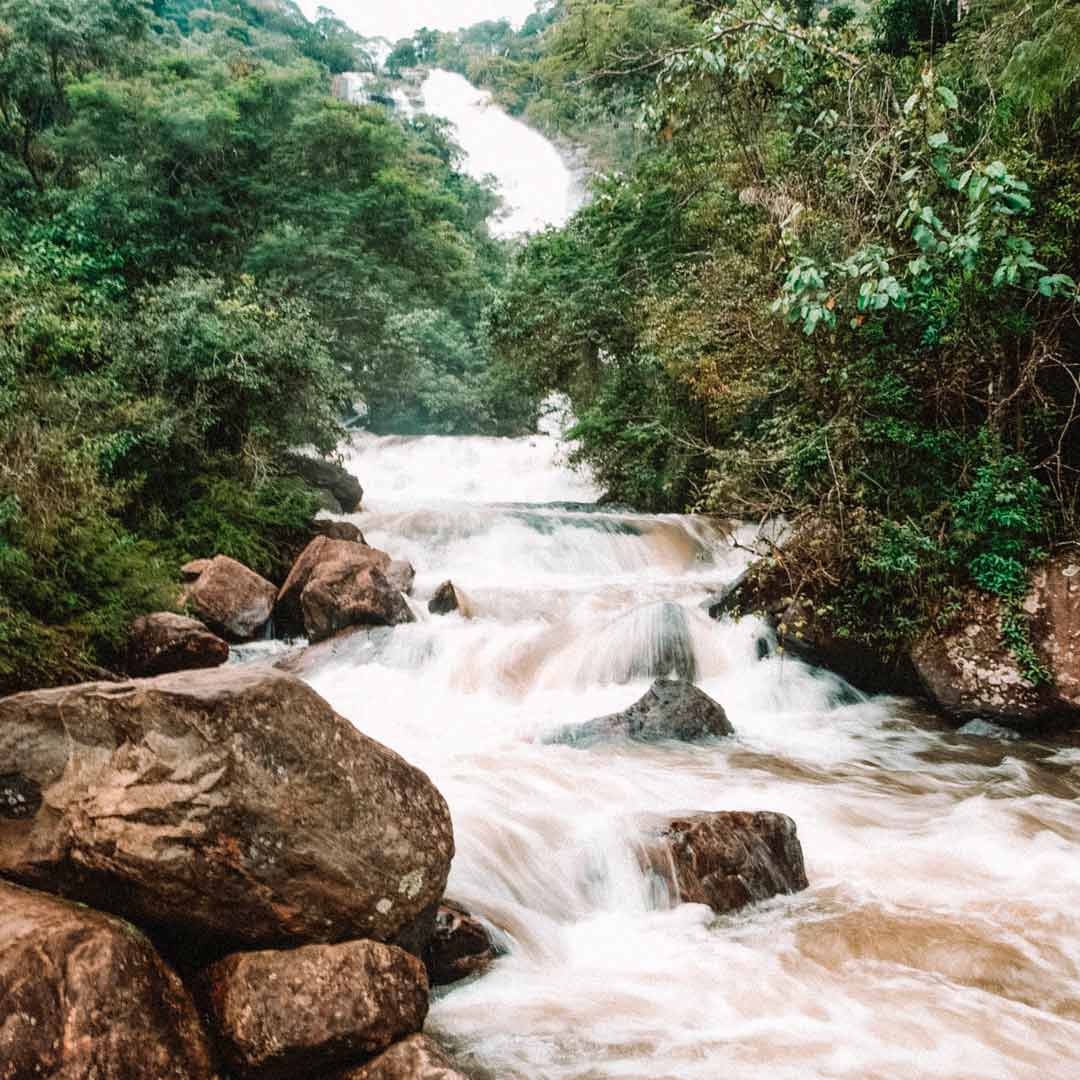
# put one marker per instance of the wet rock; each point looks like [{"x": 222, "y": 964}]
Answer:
[
  {"x": 969, "y": 671},
  {"x": 730, "y": 859},
  {"x": 401, "y": 575},
  {"x": 444, "y": 600},
  {"x": 459, "y": 947},
  {"x": 312, "y": 1009},
  {"x": 193, "y": 570},
  {"x": 319, "y": 473},
  {"x": 766, "y": 590},
  {"x": 84, "y": 995},
  {"x": 232, "y": 600},
  {"x": 670, "y": 709},
  {"x": 414, "y": 1058},
  {"x": 338, "y": 530},
  {"x": 326, "y": 501},
  {"x": 323, "y": 551},
  {"x": 340, "y": 595},
  {"x": 220, "y": 810},
  {"x": 165, "y": 642}
]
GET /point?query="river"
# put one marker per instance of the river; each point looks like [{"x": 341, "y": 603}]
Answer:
[{"x": 940, "y": 936}]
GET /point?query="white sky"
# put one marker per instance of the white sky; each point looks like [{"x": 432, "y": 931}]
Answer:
[{"x": 399, "y": 18}]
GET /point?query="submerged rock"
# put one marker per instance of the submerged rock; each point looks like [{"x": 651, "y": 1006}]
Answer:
[
  {"x": 164, "y": 642},
  {"x": 970, "y": 671},
  {"x": 414, "y": 1058},
  {"x": 313, "y": 1009},
  {"x": 670, "y": 709},
  {"x": 221, "y": 810},
  {"x": 329, "y": 476},
  {"x": 730, "y": 859},
  {"x": 232, "y": 600},
  {"x": 85, "y": 995},
  {"x": 459, "y": 947}
]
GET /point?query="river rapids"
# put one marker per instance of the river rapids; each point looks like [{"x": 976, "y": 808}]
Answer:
[{"x": 940, "y": 936}]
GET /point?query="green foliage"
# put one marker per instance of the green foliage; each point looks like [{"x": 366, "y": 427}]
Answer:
[
  {"x": 263, "y": 527},
  {"x": 205, "y": 260},
  {"x": 852, "y": 302}
]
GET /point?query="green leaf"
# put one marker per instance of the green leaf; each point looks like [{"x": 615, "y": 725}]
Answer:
[
  {"x": 938, "y": 139},
  {"x": 947, "y": 96}
]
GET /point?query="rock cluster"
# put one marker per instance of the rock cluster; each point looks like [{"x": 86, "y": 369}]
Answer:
[{"x": 228, "y": 814}]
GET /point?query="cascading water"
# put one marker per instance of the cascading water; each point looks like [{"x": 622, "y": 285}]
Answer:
[{"x": 939, "y": 937}]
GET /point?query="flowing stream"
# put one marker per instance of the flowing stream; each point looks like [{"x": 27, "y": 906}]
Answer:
[{"x": 940, "y": 936}]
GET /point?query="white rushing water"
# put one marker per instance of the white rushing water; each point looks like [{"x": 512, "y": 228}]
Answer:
[
  {"x": 940, "y": 935},
  {"x": 537, "y": 186}
]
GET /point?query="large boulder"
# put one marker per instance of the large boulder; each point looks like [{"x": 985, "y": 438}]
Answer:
[
  {"x": 670, "y": 709},
  {"x": 969, "y": 669},
  {"x": 164, "y": 642},
  {"x": 414, "y": 1058},
  {"x": 730, "y": 859},
  {"x": 85, "y": 995},
  {"x": 327, "y": 476},
  {"x": 226, "y": 809},
  {"x": 459, "y": 947},
  {"x": 336, "y": 584},
  {"x": 232, "y": 600},
  {"x": 339, "y": 596},
  {"x": 288, "y": 610},
  {"x": 313, "y": 1009}
]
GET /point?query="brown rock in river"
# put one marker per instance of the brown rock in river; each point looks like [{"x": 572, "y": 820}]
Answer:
[
  {"x": 459, "y": 947},
  {"x": 165, "y": 642},
  {"x": 728, "y": 860},
  {"x": 313, "y": 1009},
  {"x": 969, "y": 669},
  {"x": 289, "y": 611},
  {"x": 231, "y": 599},
  {"x": 339, "y": 596},
  {"x": 224, "y": 809},
  {"x": 414, "y": 1058},
  {"x": 83, "y": 996},
  {"x": 444, "y": 600}
]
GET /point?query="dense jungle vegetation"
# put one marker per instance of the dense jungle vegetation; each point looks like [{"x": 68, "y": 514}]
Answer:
[
  {"x": 205, "y": 259},
  {"x": 828, "y": 273}
]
